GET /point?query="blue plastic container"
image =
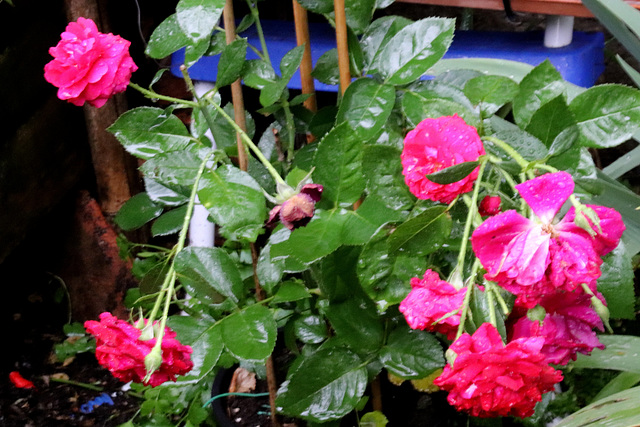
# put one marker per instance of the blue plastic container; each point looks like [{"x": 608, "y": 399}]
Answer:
[{"x": 580, "y": 63}]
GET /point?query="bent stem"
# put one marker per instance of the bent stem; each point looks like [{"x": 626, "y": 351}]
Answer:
[{"x": 168, "y": 286}]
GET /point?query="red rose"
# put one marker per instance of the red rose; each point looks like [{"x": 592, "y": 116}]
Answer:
[
  {"x": 89, "y": 66},
  {"x": 430, "y": 300},
  {"x": 489, "y": 379},
  {"x": 489, "y": 206},
  {"x": 436, "y": 144},
  {"x": 567, "y": 327},
  {"x": 119, "y": 349}
]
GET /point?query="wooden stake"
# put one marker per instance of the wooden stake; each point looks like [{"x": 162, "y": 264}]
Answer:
[
  {"x": 306, "y": 66},
  {"x": 236, "y": 87},
  {"x": 112, "y": 165},
  {"x": 343, "y": 47}
]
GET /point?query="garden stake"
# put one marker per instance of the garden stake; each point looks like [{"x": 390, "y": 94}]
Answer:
[
  {"x": 341, "y": 42},
  {"x": 306, "y": 66},
  {"x": 236, "y": 87}
]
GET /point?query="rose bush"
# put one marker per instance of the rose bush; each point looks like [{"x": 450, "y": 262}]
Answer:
[{"x": 366, "y": 248}]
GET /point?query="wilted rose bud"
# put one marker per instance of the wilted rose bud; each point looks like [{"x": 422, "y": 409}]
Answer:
[
  {"x": 298, "y": 209},
  {"x": 489, "y": 206}
]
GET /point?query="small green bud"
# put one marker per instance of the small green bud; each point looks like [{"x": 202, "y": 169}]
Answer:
[
  {"x": 536, "y": 314},
  {"x": 152, "y": 361},
  {"x": 451, "y": 356},
  {"x": 602, "y": 311},
  {"x": 147, "y": 333}
]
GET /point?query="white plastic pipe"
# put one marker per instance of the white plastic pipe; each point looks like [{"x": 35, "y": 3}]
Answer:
[
  {"x": 201, "y": 229},
  {"x": 559, "y": 31}
]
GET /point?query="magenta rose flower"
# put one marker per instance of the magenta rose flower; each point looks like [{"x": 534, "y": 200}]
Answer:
[
  {"x": 120, "y": 350},
  {"x": 489, "y": 206},
  {"x": 298, "y": 209},
  {"x": 536, "y": 258},
  {"x": 567, "y": 327},
  {"x": 89, "y": 66},
  {"x": 436, "y": 144},
  {"x": 490, "y": 379},
  {"x": 610, "y": 231},
  {"x": 429, "y": 301}
]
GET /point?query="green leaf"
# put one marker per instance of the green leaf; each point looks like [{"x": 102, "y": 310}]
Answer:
[
  {"x": 411, "y": 354},
  {"x": 209, "y": 274},
  {"x": 136, "y": 212},
  {"x": 166, "y": 196},
  {"x": 540, "y": 86},
  {"x": 310, "y": 329},
  {"x": 382, "y": 169},
  {"x": 359, "y": 13},
  {"x": 414, "y": 49},
  {"x": 166, "y": 38},
  {"x": 607, "y": 115},
  {"x": 618, "y": 410},
  {"x": 624, "y": 164},
  {"x": 146, "y": 131},
  {"x": 250, "y": 334},
  {"x": 356, "y": 322},
  {"x": 453, "y": 173},
  {"x": 291, "y": 291},
  {"x": 235, "y": 202},
  {"x": 326, "y": 69},
  {"x": 366, "y": 105},
  {"x": 258, "y": 73},
  {"x": 422, "y": 234},
  {"x": 623, "y": 381},
  {"x": 377, "y": 35},
  {"x": 550, "y": 120},
  {"x": 373, "y": 419},
  {"x": 490, "y": 92},
  {"x": 317, "y": 6},
  {"x": 206, "y": 343},
  {"x": 616, "y": 283},
  {"x": 528, "y": 146},
  {"x": 170, "y": 222},
  {"x": 195, "y": 50},
  {"x": 197, "y": 18},
  {"x": 327, "y": 385},
  {"x": 338, "y": 163},
  {"x": 336, "y": 276},
  {"x": 231, "y": 62},
  {"x": 174, "y": 168},
  {"x": 385, "y": 275},
  {"x": 317, "y": 239},
  {"x": 417, "y": 107},
  {"x": 626, "y": 202},
  {"x": 269, "y": 271},
  {"x": 290, "y": 62},
  {"x": 620, "y": 354}
]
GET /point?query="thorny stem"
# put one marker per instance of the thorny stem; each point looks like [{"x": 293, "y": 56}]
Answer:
[
  {"x": 153, "y": 95},
  {"x": 509, "y": 150},
  {"x": 467, "y": 297},
  {"x": 168, "y": 286},
  {"x": 263, "y": 43},
  {"x": 473, "y": 210}
]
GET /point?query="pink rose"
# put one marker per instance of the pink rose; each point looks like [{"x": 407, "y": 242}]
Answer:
[
  {"x": 430, "y": 300},
  {"x": 489, "y": 379},
  {"x": 533, "y": 259},
  {"x": 120, "y": 350},
  {"x": 567, "y": 327},
  {"x": 89, "y": 66},
  {"x": 436, "y": 144},
  {"x": 298, "y": 209}
]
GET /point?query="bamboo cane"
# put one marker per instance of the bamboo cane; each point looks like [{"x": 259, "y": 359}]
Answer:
[
  {"x": 341, "y": 42},
  {"x": 306, "y": 66},
  {"x": 236, "y": 87}
]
